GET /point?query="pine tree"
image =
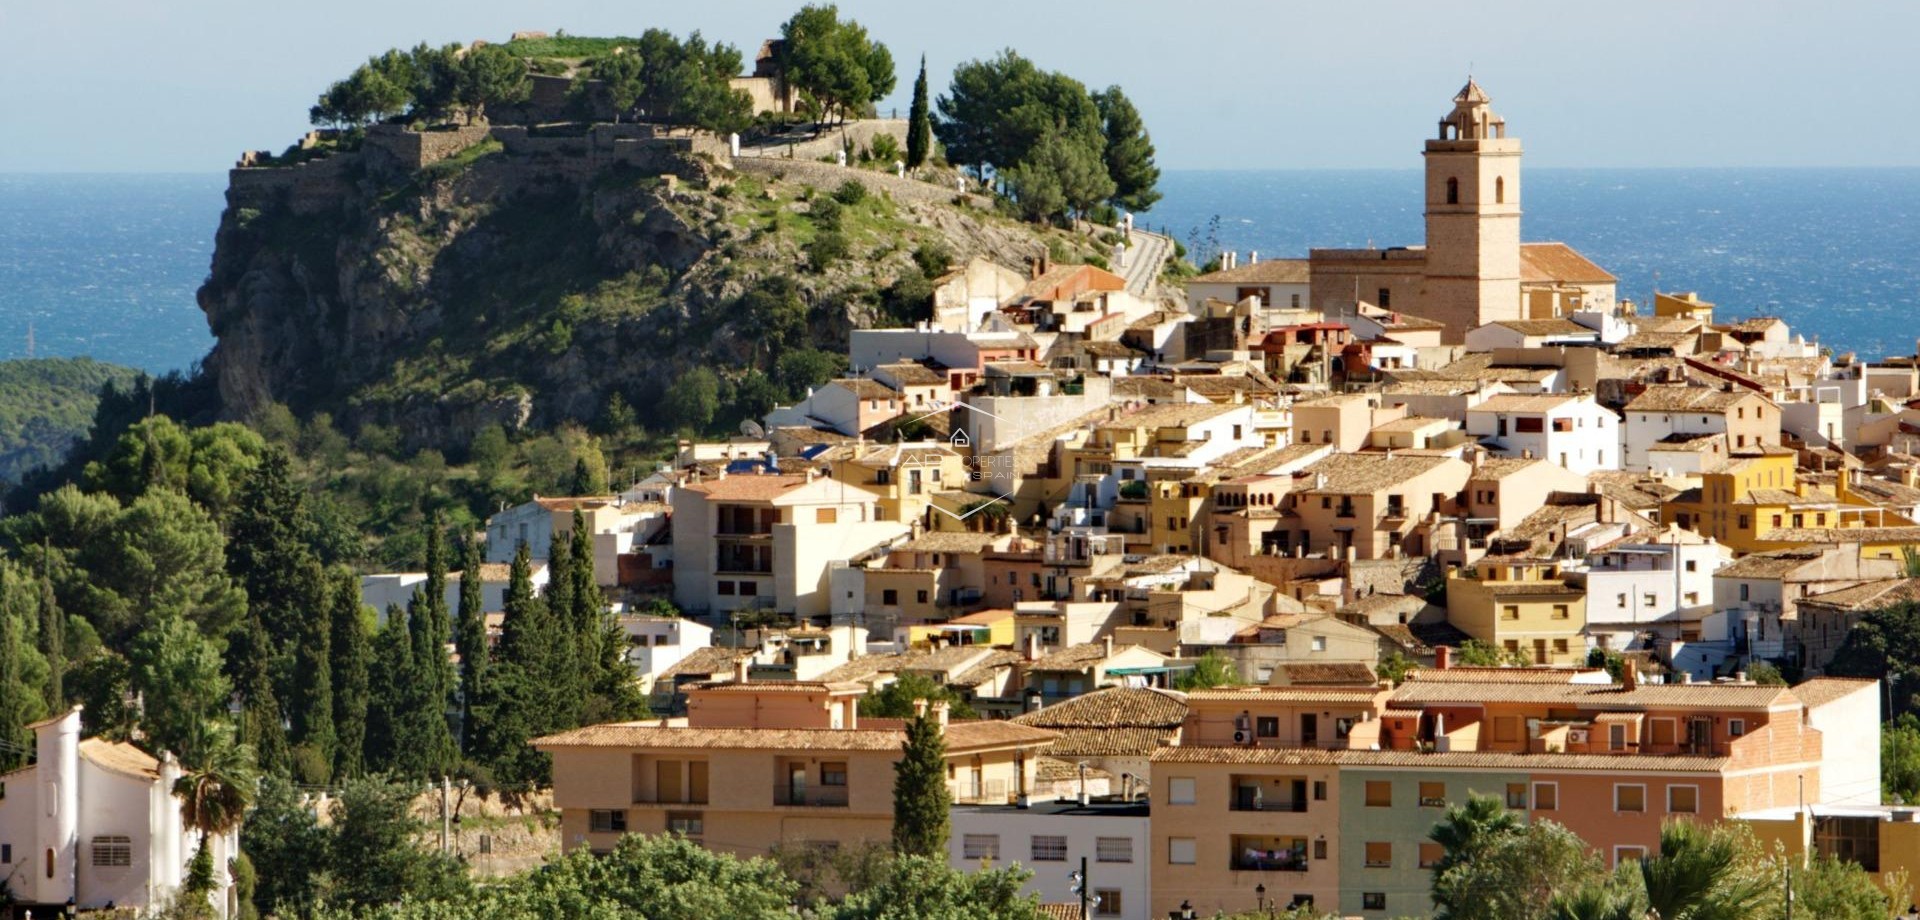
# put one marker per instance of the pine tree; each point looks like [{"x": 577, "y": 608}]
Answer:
[
  {"x": 920, "y": 799},
  {"x": 349, "y": 657},
  {"x": 265, "y": 550},
  {"x": 919, "y": 121},
  {"x": 470, "y": 639},
  {"x": 250, "y": 662},
  {"x": 311, "y": 705},
  {"x": 520, "y": 697}
]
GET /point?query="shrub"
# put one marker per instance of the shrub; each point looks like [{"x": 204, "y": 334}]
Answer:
[
  {"x": 933, "y": 257},
  {"x": 884, "y": 149},
  {"x": 851, "y": 192},
  {"x": 828, "y": 247},
  {"x": 825, "y": 213}
]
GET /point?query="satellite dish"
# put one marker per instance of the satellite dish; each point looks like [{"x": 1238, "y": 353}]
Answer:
[{"x": 752, "y": 429}]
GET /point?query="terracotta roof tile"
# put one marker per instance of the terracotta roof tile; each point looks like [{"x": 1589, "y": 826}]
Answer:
[
  {"x": 1115, "y": 707},
  {"x": 1542, "y": 263},
  {"x": 1496, "y": 760},
  {"x": 1820, "y": 691},
  {"x": 1270, "y": 271}
]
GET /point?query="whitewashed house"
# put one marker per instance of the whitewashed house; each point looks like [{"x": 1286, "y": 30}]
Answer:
[
  {"x": 1574, "y": 432},
  {"x": 616, "y": 525},
  {"x": 1662, "y": 586},
  {"x": 655, "y": 644},
  {"x": 1049, "y": 839},
  {"x": 95, "y": 822}
]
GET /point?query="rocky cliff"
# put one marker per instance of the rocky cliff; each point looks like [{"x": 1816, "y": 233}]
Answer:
[{"x": 526, "y": 288}]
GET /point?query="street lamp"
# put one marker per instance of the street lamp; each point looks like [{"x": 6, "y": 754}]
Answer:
[{"x": 1260, "y": 896}]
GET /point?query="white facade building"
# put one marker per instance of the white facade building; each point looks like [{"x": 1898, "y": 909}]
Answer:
[
  {"x": 1663, "y": 585},
  {"x": 97, "y": 822},
  {"x": 1574, "y": 432},
  {"x": 1049, "y": 839}
]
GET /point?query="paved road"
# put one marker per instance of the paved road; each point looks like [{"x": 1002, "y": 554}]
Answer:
[{"x": 1147, "y": 254}]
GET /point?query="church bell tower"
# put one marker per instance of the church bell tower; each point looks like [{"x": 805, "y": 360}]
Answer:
[{"x": 1473, "y": 218}]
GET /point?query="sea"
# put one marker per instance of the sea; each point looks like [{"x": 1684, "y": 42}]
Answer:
[{"x": 107, "y": 265}]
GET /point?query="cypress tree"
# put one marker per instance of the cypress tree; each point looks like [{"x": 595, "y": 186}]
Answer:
[
  {"x": 588, "y": 604},
  {"x": 919, "y": 121},
  {"x": 260, "y": 725},
  {"x": 439, "y": 623},
  {"x": 265, "y": 550},
  {"x": 349, "y": 656},
  {"x": 470, "y": 639},
  {"x": 518, "y": 698},
  {"x": 15, "y": 741},
  {"x": 53, "y": 645},
  {"x": 429, "y": 740},
  {"x": 570, "y": 683},
  {"x": 311, "y": 707},
  {"x": 522, "y": 626},
  {"x": 392, "y": 675},
  {"x": 920, "y": 799}
]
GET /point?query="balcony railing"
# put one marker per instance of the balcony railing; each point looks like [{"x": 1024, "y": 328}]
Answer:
[
  {"x": 1244, "y": 803},
  {"x": 810, "y": 796},
  {"x": 1276, "y": 862}
]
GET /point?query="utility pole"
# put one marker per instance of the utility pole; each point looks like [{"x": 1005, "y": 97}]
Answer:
[
  {"x": 446, "y": 815},
  {"x": 1079, "y": 886}
]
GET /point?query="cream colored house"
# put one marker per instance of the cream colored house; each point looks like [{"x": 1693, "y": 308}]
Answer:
[{"x": 767, "y": 541}]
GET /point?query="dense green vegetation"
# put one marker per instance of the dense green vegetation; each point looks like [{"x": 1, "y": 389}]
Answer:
[
  {"x": 835, "y": 66},
  {"x": 665, "y": 80},
  {"x": 424, "y": 83},
  {"x": 46, "y": 405},
  {"x": 1494, "y": 866}
]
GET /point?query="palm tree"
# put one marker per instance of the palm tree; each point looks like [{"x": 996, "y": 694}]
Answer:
[
  {"x": 1467, "y": 830},
  {"x": 215, "y": 791},
  {"x": 1596, "y": 902},
  {"x": 1701, "y": 874}
]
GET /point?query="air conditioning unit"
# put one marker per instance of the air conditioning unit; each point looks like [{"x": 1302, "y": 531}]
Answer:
[
  {"x": 1242, "y": 737},
  {"x": 1576, "y": 736}
]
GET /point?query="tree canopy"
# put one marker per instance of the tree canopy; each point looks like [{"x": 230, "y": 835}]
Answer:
[{"x": 833, "y": 62}]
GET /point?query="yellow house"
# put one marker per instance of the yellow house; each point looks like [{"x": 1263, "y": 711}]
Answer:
[
  {"x": 981, "y": 628},
  {"x": 756, "y": 765},
  {"x": 1757, "y": 503},
  {"x": 904, "y": 475},
  {"x": 1520, "y": 605}
]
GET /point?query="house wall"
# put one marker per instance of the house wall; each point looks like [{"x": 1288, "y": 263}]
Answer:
[
  {"x": 1211, "y": 883},
  {"x": 1403, "y": 826},
  {"x": 1850, "y": 732},
  {"x": 1015, "y": 831}
]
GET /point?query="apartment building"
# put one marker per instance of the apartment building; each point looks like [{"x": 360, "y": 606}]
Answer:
[
  {"x": 1375, "y": 506},
  {"x": 1522, "y": 605},
  {"x": 1050, "y": 839},
  {"x": 755, "y": 765},
  {"x": 1572, "y": 431},
  {"x": 1665, "y": 413}
]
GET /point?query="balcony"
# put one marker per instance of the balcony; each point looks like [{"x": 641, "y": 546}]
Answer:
[
  {"x": 1270, "y": 861},
  {"x": 1279, "y": 806},
  {"x": 671, "y": 798},
  {"x": 792, "y": 796}
]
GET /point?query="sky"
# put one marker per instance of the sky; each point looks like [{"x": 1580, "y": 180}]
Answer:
[{"x": 186, "y": 85}]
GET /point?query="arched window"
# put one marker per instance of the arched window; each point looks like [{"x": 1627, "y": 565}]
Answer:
[
  {"x": 1453, "y": 191},
  {"x": 1500, "y": 190}
]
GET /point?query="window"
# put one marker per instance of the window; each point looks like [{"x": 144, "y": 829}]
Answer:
[
  {"x": 1319, "y": 790},
  {"x": 1736, "y": 727},
  {"x": 686, "y": 824},
  {"x": 1180, "y": 851},
  {"x": 1430, "y": 854},
  {"x": 1693, "y": 565},
  {"x": 1649, "y": 600},
  {"x": 1743, "y": 588},
  {"x": 1546, "y": 796},
  {"x": 724, "y": 587},
  {"x": 113, "y": 851},
  {"x": 1617, "y": 737},
  {"x": 1453, "y": 190},
  {"x": 1621, "y": 602},
  {"x": 1106, "y": 902},
  {"x": 1267, "y": 726},
  {"x": 1379, "y": 854},
  {"x": 1560, "y": 612},
  {"x": 602, "y": 821},
  {"x": 1499, "y": 190},
  {"x": 1379, "y": 794},
  {"x": 1626, "y": 854},
  {"x": 920, "y": 596},
  {"x": 1386, "y": 299},
  {"x": 833, "y": 774},
  {"x": 826, "y": 515},
  {"x": 980, "y": 846},
  {"x": 1629, "y": 797},
  {"x": 1319, "y": 643},
  {"x": 1373, "y": 900},
  {"x": 6, "y": 854},
  {"x": 1510, "y": 612},
  {"x": 1683, "y": 800},
  {"x": 1320, "y": 848},
  {"x": 1113, "y": 849},
  {"x": 1048, "y": 848},
  {"x": 749, "y": 588},
  {"x": 1517, "y": 796},
  {"x": 1180, "y": 790},
  {"x": 1433, "y": 795},
  {"x": 889, "y": 597}
]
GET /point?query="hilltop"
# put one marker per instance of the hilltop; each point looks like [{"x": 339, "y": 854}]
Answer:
[
  {"x": 527, "y": 278},
  {"x": 46, "y": 405}
]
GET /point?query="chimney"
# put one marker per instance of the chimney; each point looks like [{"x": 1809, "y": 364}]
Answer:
[
  {"x": 919, "y": 708},
  {"x": 1106, "y": 643},
  {"x": 1630, "y": 676},
  {"x": 1083, "y": 784},
  {"x": 1033, "y": 646},
  {"x": 1253, "y": 257},
  {"x": 1686, "y": 677},
  {"x": 811, "y": 474},
  {"x": 740, "y": 666},
  {"x": 941, "y": 714},
  {"x": 1442, "y": 657}
]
